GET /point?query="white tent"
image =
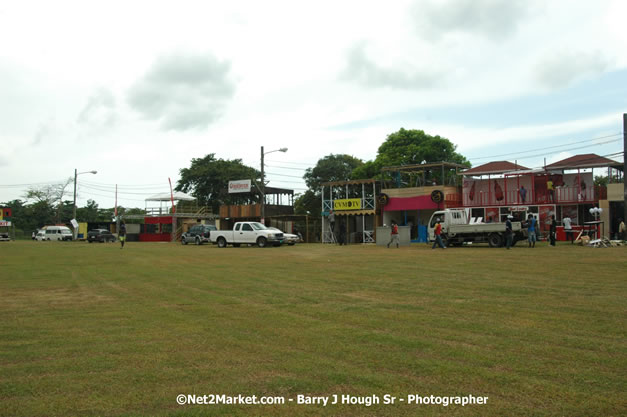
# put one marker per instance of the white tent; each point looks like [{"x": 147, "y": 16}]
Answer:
[{"x": 177, "y": 196}]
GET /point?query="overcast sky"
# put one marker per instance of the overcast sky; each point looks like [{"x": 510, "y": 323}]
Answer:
[{"x": 136, "y": 89}]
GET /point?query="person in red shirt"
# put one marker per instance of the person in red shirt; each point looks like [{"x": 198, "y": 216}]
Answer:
[
  {"x": 438, "y": 235},
  {"x": 394, "y": 234}
]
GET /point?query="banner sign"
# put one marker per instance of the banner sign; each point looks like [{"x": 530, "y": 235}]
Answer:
[
  {"x": 4, "y": 223},
  {"x": 240, "y": 186},
  {"x": 347, "y": 204}
]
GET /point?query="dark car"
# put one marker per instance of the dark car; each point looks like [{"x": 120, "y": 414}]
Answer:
[
  {"x": 198, "y": 234},
  {"x": 100, "y": 235}
]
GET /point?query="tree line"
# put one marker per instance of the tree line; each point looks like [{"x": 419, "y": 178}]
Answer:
[{"x": 207, "y": 180}]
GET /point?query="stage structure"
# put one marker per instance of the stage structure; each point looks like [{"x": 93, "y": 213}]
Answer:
[{"x": 354, "y": 204}]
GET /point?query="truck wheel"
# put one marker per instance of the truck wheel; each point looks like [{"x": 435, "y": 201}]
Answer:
[
  {"x": 183, "y": 241},
  {"x": 495, "y": 240},
  {"x": 197, "y": 241},
  {"x": 221, "y": 242},
  {"x": 262, "y": 242}
]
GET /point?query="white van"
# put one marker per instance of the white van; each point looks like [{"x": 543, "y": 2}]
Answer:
[{"x": 55, "y": 233}]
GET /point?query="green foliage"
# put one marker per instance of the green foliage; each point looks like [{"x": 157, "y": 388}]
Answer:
[
  {"x": 207, "y": 179},
  {"x": 407, "y": 147},
  {"x": 331, "y": 168},
  {"x": 89, "y": 213},
  {"x": 308, "y": 203},
  {"x": 370, "y": 169}
]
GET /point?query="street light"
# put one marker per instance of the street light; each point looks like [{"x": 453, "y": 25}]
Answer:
[
  {"x": 263, "y": 184},
  {"x": 76, "y": 174}
]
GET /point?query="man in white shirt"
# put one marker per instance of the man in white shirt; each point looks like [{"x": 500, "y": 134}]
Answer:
[{"x": 566, "y": 221}]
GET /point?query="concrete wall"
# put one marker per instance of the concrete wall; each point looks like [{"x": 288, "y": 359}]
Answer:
[{"x": 384, "y": 234}]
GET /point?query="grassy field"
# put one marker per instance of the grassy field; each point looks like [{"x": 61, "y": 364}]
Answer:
[{"x": 92, "y": 330}]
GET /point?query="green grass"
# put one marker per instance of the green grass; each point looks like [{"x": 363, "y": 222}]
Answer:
[{"x": 92, "y": 330}]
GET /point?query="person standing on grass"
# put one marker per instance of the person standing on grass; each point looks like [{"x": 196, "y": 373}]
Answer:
[
  {"x": 394, "y": 234},
  {"x": 509, "y": 233},
  {"x": 552, "y": 230},
  {"x": 122, "y": 234},
  {"x": 438, "y": 235},
  {"x": 621, "y": 230},
  {"x": 342, "y": 237},
  {"x": 531, "y": 230},
  {"x": 568, "y": 229}
]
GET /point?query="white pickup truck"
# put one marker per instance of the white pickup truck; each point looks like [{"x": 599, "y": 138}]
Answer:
[
  {"x": 456, "y": 230},
  {"x": 247, "y": 233}
]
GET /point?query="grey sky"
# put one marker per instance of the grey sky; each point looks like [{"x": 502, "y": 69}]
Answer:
[{"x": 135, "y": 90}]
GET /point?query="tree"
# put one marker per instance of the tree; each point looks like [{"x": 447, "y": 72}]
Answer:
[
  {"x": 370, "y": 169},
  {"x": 408, "y": 147},
  {"x": 50, "y": 195},
  {"x": 307, "y": 203},
  {"x": 207, "y": 179},
  {"x": 331, "y": 168},
  {"x": 89, "y": 213}
]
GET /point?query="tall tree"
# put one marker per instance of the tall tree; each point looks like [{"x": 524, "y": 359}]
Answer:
[
  {"x": 207, "y": 179},
  {"x": 407, "y": 147},
  {"x": 50, "y": 195},
  {"x": 331, "y": 168}
]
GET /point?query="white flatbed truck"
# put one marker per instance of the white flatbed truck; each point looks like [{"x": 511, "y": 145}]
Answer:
[{"x": 456, "y": 230}]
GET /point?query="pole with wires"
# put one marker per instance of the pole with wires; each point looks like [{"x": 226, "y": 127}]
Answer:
[{"x": 624, "y": 167}]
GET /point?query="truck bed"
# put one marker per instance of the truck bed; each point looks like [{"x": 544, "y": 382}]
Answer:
[{"x": 481, "y": 228}]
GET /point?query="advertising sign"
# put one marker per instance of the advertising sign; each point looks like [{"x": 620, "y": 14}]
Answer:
[
  {"x": 347, "y": 204},
  {"x": 239, "y": 186}
]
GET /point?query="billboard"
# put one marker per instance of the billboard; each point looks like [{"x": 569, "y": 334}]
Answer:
[
  {"x": 5, "y": 216},
  {"x": 240, "y": 186},
  {"x": 347, "y": 204}
]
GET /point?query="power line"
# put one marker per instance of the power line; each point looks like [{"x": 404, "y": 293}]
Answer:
[
  {"x": 563, "y": 150},
  {"x": 556, "y": 146},
  {"x": 280, "y": 167},
  {"x": 283, "y": 175}
]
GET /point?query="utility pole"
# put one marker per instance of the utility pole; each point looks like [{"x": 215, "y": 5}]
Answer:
[
  {"x": 624, "y": 166},
  {"x": 74, "y": 210},
  {"x": 263, "y": 192}
]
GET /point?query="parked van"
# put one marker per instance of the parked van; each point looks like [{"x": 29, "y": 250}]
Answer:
[{"x": 55, "y": 233}]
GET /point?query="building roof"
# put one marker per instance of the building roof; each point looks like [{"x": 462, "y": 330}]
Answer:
[
  {"x": 496, "y": 167},
  {"x": 588, "y": 160}
]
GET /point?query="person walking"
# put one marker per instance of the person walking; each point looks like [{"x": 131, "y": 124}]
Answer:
[
  {"x": 122, "y": 234},
  {"x": 568, "y": 229},
  {"x": 394, "y": 234},
  {"x": 531, "y": 230},
  {"x": 509, "y": 233},
  {"x": 552, "y": 230},
  {"x": 438, "y": 235}
]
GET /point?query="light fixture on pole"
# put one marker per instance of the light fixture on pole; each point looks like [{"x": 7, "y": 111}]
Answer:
[
  {"x": 76, "y": 174},
  {"x": 263, "y": 184},
  {"x": 596, "y": 211}
]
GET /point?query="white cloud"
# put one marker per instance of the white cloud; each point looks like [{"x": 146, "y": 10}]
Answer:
[
  {"x": 557, "y": 69},
  {"x": 493, "y": 19},
  {"x": 183, "y": 91}
]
